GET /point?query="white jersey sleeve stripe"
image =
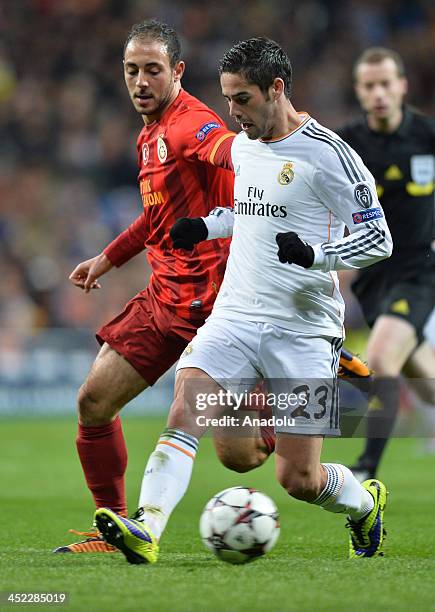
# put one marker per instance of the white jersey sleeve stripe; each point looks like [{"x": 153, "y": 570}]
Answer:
[
  {"x": 368, "y": 248},
  {"x": 335, "y": 144},
  {"x": 335, "y": 149},
  {"x": 339, "y": 246},
  {"x": 347, "y": 152},
  {"x": 372, "y": 238}
]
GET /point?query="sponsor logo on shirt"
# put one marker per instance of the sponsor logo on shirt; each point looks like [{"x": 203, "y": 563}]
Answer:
[
  {"x": 364, "y": 216},
  {"x": 393, "y": 173},
  {"x": 401, "y": 307},
  {"x": 205, "y": 129},
  {"x": 254, "y": 205},
  {"x": 362, "y": 195},
  {"x": 145, "y": 153},
  {"x": 162, "y": 151},
  {"x": 149, "y": 197},
  {"x": 260, "y": 209},
  {"x": 287, "y": 174}
]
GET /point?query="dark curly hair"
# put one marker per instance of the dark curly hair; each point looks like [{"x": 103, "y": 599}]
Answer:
[{"x": 259, "y": 61}]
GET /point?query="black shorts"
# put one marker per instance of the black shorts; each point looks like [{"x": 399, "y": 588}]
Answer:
[{"x": 412, "y": 299}]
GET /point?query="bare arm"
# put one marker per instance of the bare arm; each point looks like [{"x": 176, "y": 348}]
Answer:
[{"x": 125, "y": 246}]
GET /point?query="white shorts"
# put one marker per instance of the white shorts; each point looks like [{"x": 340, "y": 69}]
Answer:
[{"x": 303, "y": 368}]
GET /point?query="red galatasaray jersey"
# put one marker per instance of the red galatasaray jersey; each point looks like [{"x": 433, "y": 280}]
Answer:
[{"x": 179, "y": 177}]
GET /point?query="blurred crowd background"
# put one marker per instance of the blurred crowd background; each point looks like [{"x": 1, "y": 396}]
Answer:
[{"x": 68, "y": 130}]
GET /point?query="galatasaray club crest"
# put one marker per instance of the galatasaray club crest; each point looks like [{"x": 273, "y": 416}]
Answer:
[
  {"x": 162, "y": 151},
  {"x": 287, "y": 174},
  {"x": 145, "y": 154}
]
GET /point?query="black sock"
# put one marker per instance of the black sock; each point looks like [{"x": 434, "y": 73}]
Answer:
[{"x": 380, "y": 419}]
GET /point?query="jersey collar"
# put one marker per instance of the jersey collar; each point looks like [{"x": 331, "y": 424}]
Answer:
[
  {"x": 305, "y": 118},
  {"x": 170, "y": 109}
]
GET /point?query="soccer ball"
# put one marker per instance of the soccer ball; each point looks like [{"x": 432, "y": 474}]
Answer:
[{"x": 239, "y": 525}]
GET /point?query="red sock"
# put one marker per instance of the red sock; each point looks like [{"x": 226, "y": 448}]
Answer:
[
  {"x": 257, "y": 403},
  {"x": 103, "y": 456},
  {"x": 269, "y": 437}
]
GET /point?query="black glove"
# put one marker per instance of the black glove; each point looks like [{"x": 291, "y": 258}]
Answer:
[
  {"x": 186, "y": 232},
  {"x": 293, "y": 250}
]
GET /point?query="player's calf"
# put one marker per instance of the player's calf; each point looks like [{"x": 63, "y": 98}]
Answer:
[{"x": 300, "y": 482}]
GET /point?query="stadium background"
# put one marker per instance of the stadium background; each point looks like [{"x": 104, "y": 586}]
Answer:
[{"x": 68, "y": 159}]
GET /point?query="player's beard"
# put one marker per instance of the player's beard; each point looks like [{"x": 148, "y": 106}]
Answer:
[
  {"x": 262, "y": 130},
  {"x": 161, "y": 103},
  {"x": 266, "y": 130}
]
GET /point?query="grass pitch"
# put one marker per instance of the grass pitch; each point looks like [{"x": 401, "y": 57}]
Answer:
[{"x": 43, "y": 494}]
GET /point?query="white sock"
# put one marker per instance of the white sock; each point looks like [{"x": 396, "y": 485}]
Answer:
[
  {"x": 166, "y": 478},
  {"x": 343, "y": 493}
]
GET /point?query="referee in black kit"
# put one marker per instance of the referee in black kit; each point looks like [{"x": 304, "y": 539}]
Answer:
[{"x": 397, "y": 295}]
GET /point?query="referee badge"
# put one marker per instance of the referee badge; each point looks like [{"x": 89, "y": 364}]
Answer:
[
  {"x": 422, "y": 169},
  {"x": 162, "y": 150},
  {"x": 287, "y": 174}
]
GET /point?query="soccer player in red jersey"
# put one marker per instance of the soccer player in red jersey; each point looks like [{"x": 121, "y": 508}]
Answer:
[{"x": 178, "y": 148}]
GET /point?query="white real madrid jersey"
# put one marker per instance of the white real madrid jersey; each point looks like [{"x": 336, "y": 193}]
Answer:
[{"x": 312, "y": 183}]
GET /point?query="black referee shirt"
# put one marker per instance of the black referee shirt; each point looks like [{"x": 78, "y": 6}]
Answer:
[{"x": 403, "y": 165}]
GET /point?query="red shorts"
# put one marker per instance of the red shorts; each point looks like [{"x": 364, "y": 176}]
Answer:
[{"x": 148, "y": 335}]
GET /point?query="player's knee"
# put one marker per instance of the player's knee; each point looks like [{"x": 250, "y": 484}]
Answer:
[
  {"x": 92, "y": 409},
  {"x": 379, "y": 366},
  {"x": 383, "y": 365},
  {"x": 300, "y": 483}
]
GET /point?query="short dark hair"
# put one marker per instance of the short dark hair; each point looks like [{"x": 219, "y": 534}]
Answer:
[
  {"x": 157, "y": 30},
  {"x": 259, "y": 61},
  {"x": 375, "y": 55}
]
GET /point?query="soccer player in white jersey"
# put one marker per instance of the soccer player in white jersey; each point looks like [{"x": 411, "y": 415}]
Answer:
[{"x": 279, "y": 313}]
